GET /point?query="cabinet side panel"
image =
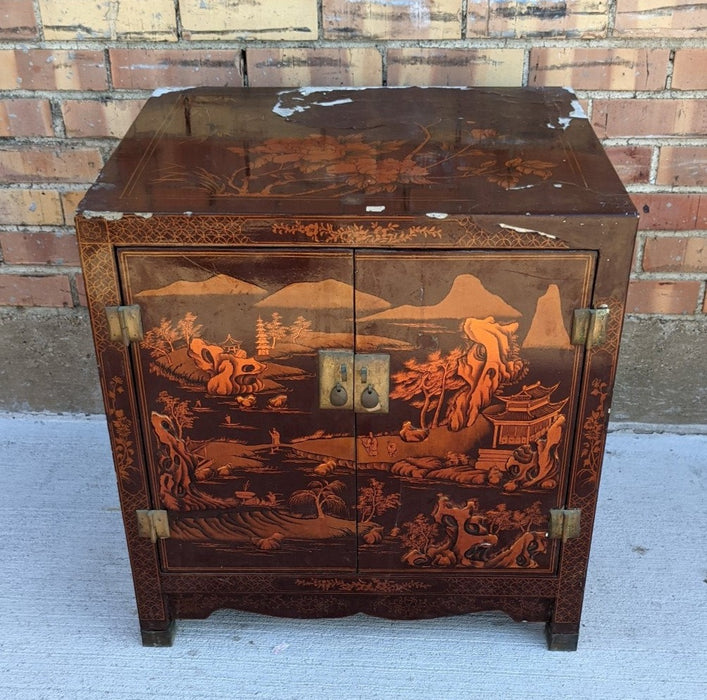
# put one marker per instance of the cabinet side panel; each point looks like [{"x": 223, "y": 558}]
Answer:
[{"x": 101, "y": 279}]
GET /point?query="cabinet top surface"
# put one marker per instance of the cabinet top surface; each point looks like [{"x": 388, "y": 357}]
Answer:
[{"x": 370, "y": 151}]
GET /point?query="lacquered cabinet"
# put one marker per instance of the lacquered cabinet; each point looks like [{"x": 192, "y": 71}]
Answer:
[{"x": 357, "y": 350}]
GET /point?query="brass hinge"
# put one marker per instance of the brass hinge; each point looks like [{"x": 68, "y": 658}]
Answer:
[
  {"x": 153, "y": 524},
  {"x": 589, "y": 326},
  {"x": 564, "y": 523},
  {"x": 124, "y": 323}
]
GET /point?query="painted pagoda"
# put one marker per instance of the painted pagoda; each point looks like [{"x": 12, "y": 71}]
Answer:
[{"x": 522, "y": 419}]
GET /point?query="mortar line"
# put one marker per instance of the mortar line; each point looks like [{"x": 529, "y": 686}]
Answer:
[
  {"x": 320, "y": 20},
  {"x": 686, "y": 276},
  {"x": 655, "y": 158},
  {"x": 74, "y": 290},
  {"x": 363, "y": 42},
  {"x": 669, "y": 71},
  {"x": 611, "y": 19},
  {"x": 37, "y": 270},
  {"x": 138, "y": 94},
  {"x": 109, "y": 70},
  {"x": 383, "y": 50},
  {"x": 244, "y": 67},
  {"x": 38, "y": 20}
]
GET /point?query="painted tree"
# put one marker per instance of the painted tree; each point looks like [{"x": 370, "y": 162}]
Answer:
[
  {"x": 300, "y": 325},
  {"x": 531, "y": 517},
  {"x": 178, "y": 411},
  {"x": 420, "y": 534},
  {"x": 262, "y": 345},
  {"x": 188, "y": 328},
  {"x": 411, "y": 384},
  {"x": 424, "y": 384},
  {"x": 322, "y": 496},
  {"x": 161, "y": 339},
  {"x": 275, "y": 329},
  {"x": 372, "y": 501},
  {"x": 443, "y": 377},
  {"x": 500, "y": 519}
]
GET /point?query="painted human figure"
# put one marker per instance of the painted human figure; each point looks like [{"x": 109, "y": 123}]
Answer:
[
  {"x": 275, "y": 440},
  {"x": 370, "y": 444}
]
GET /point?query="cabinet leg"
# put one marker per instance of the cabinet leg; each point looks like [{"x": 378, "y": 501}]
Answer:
[
  {"x": 561, "y": 637},
  {"x": 158, "y": 637}
]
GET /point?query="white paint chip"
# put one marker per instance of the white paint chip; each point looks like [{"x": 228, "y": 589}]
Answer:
[
  {"x": 166, "y": 90},
  {"x": 518, "y": 229}
]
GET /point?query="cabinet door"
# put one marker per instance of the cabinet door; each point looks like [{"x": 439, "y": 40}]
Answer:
[
  {"x": 462, "y": 472},
  {"x": 228, "y": 396}
]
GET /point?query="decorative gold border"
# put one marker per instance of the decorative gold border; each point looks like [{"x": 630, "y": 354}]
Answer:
[{"x": 349, "y": 231}]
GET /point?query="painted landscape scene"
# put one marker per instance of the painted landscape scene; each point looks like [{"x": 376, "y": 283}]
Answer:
[{"x": 459, "y": 473}]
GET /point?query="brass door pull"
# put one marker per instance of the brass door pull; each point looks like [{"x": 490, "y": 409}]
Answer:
[
  {"x": 370, "y": 398},
  {"x": 338, "y": 396}
]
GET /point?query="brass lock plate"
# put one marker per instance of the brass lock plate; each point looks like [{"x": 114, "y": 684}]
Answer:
[
  {"x": 336, "y": 375},
  {"x": 372, "y": 375}
]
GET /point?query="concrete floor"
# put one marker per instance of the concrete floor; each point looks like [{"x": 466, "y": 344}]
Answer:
[{"x": 68, "y": 626}]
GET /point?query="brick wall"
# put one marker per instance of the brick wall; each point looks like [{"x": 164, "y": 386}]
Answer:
[{"x": 74, "y": 74}]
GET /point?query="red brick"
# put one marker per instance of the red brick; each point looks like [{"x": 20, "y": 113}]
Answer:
[
  {"x": 489, "y": 67},
  {"x": 43, "y": 69},
  {"x": 38, "y": 248},
  {"x": 690, "y": 69},
  {"x": 599, "y": 69},
  {"x": 421, "y": 19},
  {"x": 147, "y": 69},
  {"x": 331, "y": 67},
  {"x": 660, "y": 18},
  {"x": 17, "y": 20},
  {"x": 632, "y": 163},
  {"x": 639, "y": 117},
  {"x": 663, "y": 296},
  {"x": 126, "y": 20},
  {"x": 682, "y": 166},
  {"x": 25, "y": 117},
  {"x": 704, "y": 304},
  {"x": 56, "y": 165},
  {"x": 515, "y": 18},
  {"x": 33, "y": 207},
  {"x": 259, "y": 20},
  {"x": 96, "y": 118},
  {"x": 668, "y": 254},
  {"x": 666, "y": 212},
  {"x": 31, "y": 290}
]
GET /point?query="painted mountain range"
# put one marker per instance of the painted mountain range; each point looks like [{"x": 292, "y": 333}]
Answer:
[
  {"x": 327, "y": 294},
  {"x": 221, "y": 285},
  {"x": 467, "y": 298}
]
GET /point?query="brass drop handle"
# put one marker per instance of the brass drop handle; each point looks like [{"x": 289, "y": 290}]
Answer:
[
  {"x": 370, "y": 398},
  {"x": 338, "y": 396}
]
